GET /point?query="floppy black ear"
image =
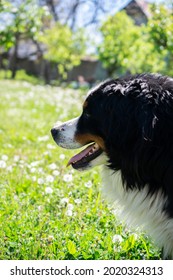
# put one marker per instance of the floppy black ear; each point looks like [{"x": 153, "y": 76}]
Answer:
[{"x": 139, "y": 92}]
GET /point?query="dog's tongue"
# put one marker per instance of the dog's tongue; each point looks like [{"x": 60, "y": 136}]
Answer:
[{"x": 81, "y": 155}]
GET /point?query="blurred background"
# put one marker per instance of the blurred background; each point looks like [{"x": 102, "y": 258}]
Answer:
[{"x": 79, "y": 42}]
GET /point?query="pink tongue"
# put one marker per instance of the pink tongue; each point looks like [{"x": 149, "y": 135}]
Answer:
[{"x": 80, "y": 155}]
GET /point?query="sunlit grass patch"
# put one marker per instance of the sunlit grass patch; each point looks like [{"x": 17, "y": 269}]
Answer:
[{"x": 48, "y": 211}]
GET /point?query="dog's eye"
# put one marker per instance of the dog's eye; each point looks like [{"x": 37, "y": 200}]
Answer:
[{"x": 86, "y": 114}]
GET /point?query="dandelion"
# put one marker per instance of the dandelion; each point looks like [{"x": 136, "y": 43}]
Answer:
[
  {"x": 88, "y": 184},
  {"x": 10, "y": 168},
  {"x": 62, "y": 156},
  {"x": 3, "y": 164},
  {"x": 16, "y": 158},
  {"x": 49, "y": 179},
  {"x": 34, "y": 178},
  {"x": 9, "y": 145},
  {"x": 47, "y": 153},
  {"x": 33, "y": 170},
  {"x": 4, "y": 157},
  {"x": 64, "y": 200},
  {"x": 117, "y": 238},
  {"x": 50, "y": 147},
  {"x": 56, "y": 173},
  {"x": 48, "y": 190},
  {"x": 69, "y": 213},
  {"x": 78, "y": 201},
  {"x": 40, "y": 170},
  {"x": 52, "y": 166},
  {"x": 70, "y": 206},
  {"x": 135, "y": 235},
  {"x": 34, "y": 163},
  {"x": 50, "y": 238},
  {"x": 67, "y": 178},
  {"x": 40, "y": 181},
  {"x": 39, "y": 208},
  {"x": 43, "y": 138}
]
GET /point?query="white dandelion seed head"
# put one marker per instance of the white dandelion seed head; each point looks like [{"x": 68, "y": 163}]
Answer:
[
  {"x": 34, "y": 178},
  {"x": 69, "y": 213},
  {"x": 40, "y": 181},
  {"x": 67, "y": 178},
  {"x": 135, "y": 235},
  {"x": 43, "y": 138},
  {"x": 34, "y": 163},
  {"x": 62, "y": 156},
  {"x": 16, "y": 158},
  {"x": 40, "y": 170},
  {"x": 48, "y": 190},
  {"x": 117, "y": 238},
  {"x": 55, "y": 173},
  {"x": 40, "y": 208},
  {"x": 4, "y": 157},
  {"x": 70, "y": 206},
  {"x": 33, "y": 170},
  {"x": 52, "y": 166},
  {"x": 10, "y": 168},
  {"x": 3, "y": 164},
  {"x": 88, "y": 184},
  {"x": 50, "y": 147},
  {"x": 49, "y": 179},
  {"x": 50, "y": 238},
  {"x": 77, "y": 200},
  {"x": 64, "y": 200}
]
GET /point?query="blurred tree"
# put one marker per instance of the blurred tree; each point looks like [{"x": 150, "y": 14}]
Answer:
[
  {"x": 20, "y": 21},
  {"x": 6, "y": 35},
  {"x": 160, "y": 29},
  {"x": 64, "y": 47},
  {"x": 126, "y": 47}
]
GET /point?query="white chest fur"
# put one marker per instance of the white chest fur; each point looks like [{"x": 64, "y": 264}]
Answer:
[{"x": 138, "y": 208}]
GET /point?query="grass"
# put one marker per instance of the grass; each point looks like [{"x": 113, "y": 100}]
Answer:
[
  {"x": 48, "y": 211},
  {"x": 21, "y": 75}
]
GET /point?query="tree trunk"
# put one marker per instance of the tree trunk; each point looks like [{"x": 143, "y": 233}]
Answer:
[{"x": 14, "y": 57}]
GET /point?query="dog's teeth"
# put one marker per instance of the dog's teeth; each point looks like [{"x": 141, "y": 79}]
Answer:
[{"x": 96, "y": 146}]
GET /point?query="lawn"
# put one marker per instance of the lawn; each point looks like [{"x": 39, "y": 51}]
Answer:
[{"x": 49, "y": 211}]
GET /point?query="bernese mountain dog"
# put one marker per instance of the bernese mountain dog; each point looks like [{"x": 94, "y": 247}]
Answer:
[{"x": 128, "y": 126}]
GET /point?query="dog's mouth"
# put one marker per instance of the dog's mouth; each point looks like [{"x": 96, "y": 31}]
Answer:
[{"x": 82, "y": 159}]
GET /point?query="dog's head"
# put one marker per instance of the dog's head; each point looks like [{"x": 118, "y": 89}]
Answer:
[
  {"x": 90, "y": 128},
  {"x": 117, "y": 118}
]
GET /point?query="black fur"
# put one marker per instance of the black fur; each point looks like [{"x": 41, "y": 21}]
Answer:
[{"x": 134, "y": 116}]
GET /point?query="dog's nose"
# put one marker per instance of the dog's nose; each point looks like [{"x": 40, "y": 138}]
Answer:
[{"x": 54, "y": 132}]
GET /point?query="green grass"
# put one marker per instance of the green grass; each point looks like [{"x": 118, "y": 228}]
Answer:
[
  {"x": 48, "y": 211},
  {"x": 21, "y": 75}
]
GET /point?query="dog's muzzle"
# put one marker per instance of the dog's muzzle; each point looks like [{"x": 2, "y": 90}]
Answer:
[{"x": 64, "y": 134}]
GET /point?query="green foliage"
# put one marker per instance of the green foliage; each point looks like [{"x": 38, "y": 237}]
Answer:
[
  {"x": 21, "y": 76},
  {"x": 63, "y": 46},
  {"x": 118, "y": 33},
  {"x": 25, "y": 21},
  {"x": 49, "y": 211},
  {"x": 160, "y": 28},
  {"x": 127, "y": 47}
]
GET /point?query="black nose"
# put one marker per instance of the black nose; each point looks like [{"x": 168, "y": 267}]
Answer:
[{"x": 54, "y": 133}]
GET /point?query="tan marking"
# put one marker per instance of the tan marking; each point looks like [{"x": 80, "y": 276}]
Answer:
[
  {"x": 85, "y": 104},
  {"x": 87, "y": 138}
]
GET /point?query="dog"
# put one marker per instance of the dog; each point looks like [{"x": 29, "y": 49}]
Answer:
[{"x": 127, "y": 124}]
